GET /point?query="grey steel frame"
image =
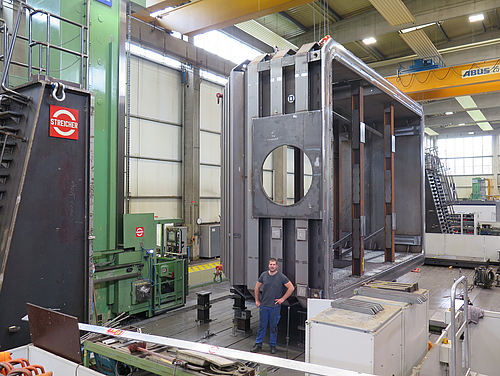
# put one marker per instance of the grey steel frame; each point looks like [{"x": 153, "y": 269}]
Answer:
[{"x": 240, "y": 222}]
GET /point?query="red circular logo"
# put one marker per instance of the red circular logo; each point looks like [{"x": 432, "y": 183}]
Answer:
[
  {"x": 139, "y": 232},
  {"x": 213, "y": 349}
]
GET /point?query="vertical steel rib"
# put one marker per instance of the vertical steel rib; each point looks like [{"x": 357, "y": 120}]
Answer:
[{"x": 327, "y": 154}]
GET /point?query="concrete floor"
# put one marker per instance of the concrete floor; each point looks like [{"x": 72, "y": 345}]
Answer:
[{"x": 182, "y": 324}]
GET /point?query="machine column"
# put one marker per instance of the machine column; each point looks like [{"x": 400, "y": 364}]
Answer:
[
  {"x": 191, "y": 160},
  {"x": 358, "y": 180},
  {"x": 389, "y": 150},
  {"x": 337, "y": 189}
]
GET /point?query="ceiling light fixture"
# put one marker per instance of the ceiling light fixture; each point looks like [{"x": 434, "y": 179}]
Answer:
[
  {"x": 448, "y": 113},
  {"x": 471, "y": 133},
  {"x": 415, "y": 28},
  {"x": 466, "y": 101},
  {"x": 370, "y": 40},
  {"x": 476, "y": 115},
  {"x": 485, "y": 126},
  {"x": 461, "y": 124},
  {"x": 476, "y": 17},
  {"x": 430, "y": 132}
]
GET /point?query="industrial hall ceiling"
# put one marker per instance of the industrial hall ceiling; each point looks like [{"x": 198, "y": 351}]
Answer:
[{"x": 388, "y": 35}]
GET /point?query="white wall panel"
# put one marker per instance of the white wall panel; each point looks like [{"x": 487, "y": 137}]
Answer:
[
  {"x": 133, "y": 178},
  {"x": 209, "y": 181},
  {"x": 135, "y": 139},
  {"x": 162, "y": 208},
  {"x": 210, "y": 210},
  {"x": 134, "y": 83},
  {"x": 158, "y": 178},
  {"x": 210, "y": 111},
  {"x": 156, "y": 91},
  {"x": 159, "y": 140},
  {"x": 210, "y": 148}
]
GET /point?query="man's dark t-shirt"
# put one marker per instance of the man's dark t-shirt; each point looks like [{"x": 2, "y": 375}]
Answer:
[{"x": 272, "y": 287}]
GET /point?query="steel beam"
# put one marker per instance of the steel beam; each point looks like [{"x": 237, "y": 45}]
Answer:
[
  {"x": 449, "y": 82},
  {"x": 337, "y": 188},
  {"x": 204, "y": 15},
  {"x": 389, "y": 190},
  {"x": 358, "y": 180},
  {"x": 441, "y": 28},
  {"x": 294, "y": 21},
  {"x": 246, "y": 38}
]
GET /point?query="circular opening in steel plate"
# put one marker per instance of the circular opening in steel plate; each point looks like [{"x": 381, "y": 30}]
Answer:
[{"x": 286, "y": 175}]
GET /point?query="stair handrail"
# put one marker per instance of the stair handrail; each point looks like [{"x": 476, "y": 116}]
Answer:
[{"x": 7, "y": 59}]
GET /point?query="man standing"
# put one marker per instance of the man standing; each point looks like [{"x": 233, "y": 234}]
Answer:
[{"x": 272, "y": 283}]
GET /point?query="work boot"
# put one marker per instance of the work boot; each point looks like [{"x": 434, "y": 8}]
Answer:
[
  {"x": 273, "y": 349},
  {"x": 256, "y": 348}
]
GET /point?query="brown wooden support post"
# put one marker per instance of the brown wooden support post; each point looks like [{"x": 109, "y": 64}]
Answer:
[
  {"x": 337, "y": 189},
  {"x": 389, "y": 149},
  {"x": 358, "y": 180}
]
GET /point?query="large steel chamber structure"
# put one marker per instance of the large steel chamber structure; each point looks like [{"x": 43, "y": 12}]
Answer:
[{"x": 322, "y": 158}]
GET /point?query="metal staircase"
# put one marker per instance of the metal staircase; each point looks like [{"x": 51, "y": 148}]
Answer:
[
  {"x": 440, "y": 186},
  {"x": 10, "y": 135}
]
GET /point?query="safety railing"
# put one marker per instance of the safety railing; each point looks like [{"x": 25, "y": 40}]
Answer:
[
  {"x": 464, "y": 362},
  {"x": 44, "y": 47},
  {"x": 82, "y": 54}
]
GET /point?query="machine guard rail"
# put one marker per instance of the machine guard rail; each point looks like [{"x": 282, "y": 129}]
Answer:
[{"x": 462, "y": 329}]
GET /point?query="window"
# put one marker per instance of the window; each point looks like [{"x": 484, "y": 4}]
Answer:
[
  {"x": 225, "y": 46},
  {"x": 154, "y": 56},
  {"x": 467, "y": 155}
]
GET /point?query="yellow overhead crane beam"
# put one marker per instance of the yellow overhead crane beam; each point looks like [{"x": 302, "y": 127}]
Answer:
[
  {"x": 199, "y": 16},
  {"x": 466, "y": 79}
]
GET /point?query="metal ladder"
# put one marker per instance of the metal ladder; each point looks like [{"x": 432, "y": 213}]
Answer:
[{"x": 463, "y": 328}]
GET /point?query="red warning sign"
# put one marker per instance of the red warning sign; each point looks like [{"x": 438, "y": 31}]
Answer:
[
  {"x": 139, "y": 232},
  {"x": 63, "y": 122}
]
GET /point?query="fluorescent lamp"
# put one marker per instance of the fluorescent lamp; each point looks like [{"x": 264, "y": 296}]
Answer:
[
  {"x": 485, "y": 126},
  {"x": 370, "y": 40},
  {"x": 466, "y": 101},
  {"x": 160, "y": 13},
  {"x": 461, "y": 124},
  {"x": 476, "y": 17},
  {"x": 448, "y": 113},
  {"x": 476, "y": 115},
  {"x": 471, "y": 133},
  {"x": 416, "y": 28},
  {"x": 430, "y": 132}
]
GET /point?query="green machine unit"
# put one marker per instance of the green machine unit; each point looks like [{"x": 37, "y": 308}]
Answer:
[
  {"x": 140, "y": 277},
  {"x": 479, "y": 188}
]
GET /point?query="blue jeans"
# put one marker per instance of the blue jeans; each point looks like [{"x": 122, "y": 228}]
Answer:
[{"x": 272, "y": 316}]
